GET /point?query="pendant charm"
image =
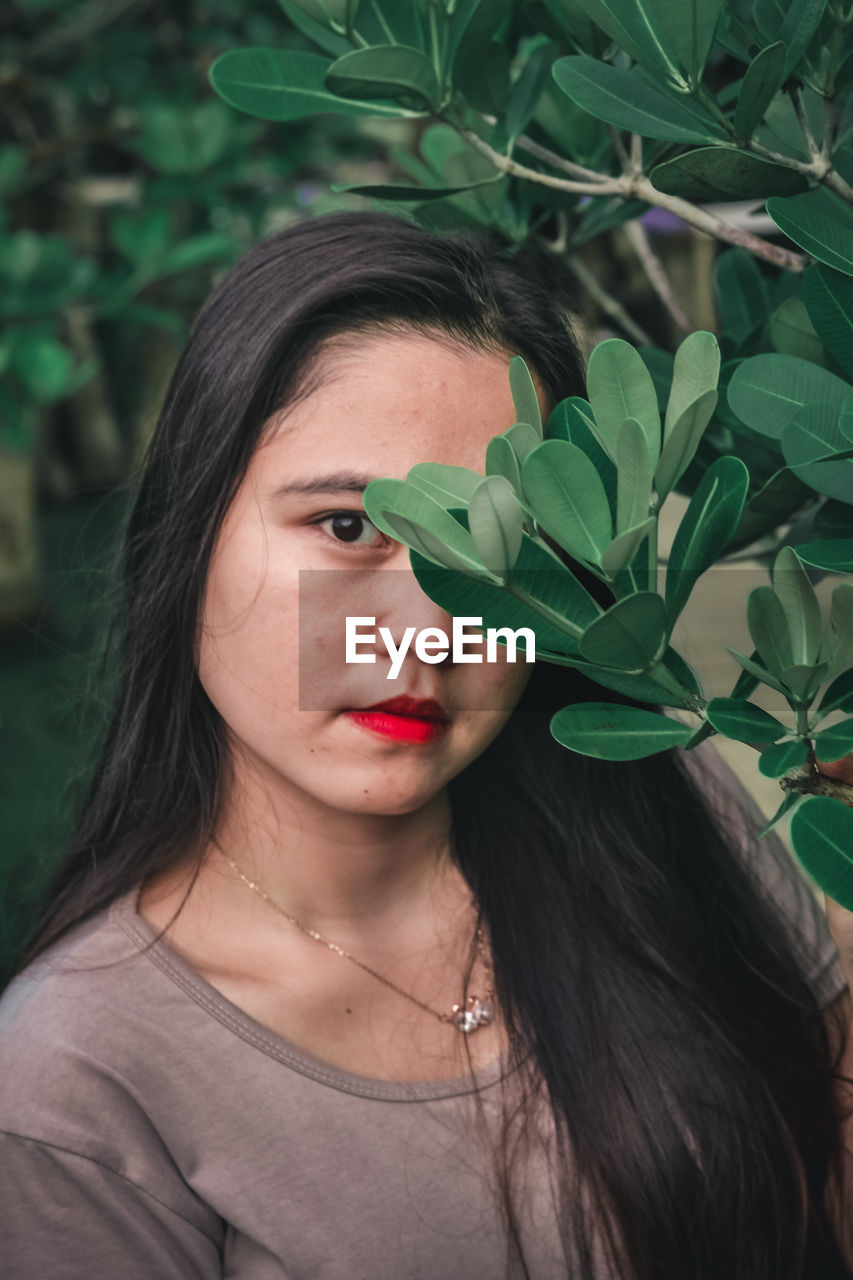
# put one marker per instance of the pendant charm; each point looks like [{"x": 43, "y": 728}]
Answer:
[{"x": 477, "y": 1013}]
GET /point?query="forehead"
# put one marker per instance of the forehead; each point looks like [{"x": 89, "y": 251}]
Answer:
[{"x": 381, "y": 403}]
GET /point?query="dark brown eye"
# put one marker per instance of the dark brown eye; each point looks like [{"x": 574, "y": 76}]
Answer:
[{"x": 349, "y": 526}]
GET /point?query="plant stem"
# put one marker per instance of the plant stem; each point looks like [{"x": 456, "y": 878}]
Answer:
[
  {"x": 608, "y": 304},
  {"x": 639, "y": 186},
  {"x": 655, "y": 273},
  {"x": 559, "y": 162}
]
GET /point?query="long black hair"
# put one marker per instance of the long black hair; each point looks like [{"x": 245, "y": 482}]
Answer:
[{"x": 640, "y": 968}]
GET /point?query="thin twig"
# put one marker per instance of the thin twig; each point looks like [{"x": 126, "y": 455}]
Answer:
[
  {"x": 805, "y": 124},
  {"x": 654, "y": 269},
  {"x": 620, "y": 149},
  {"x": 559, "y": 162},
  {"x": 636, "y": 153},
  {"x": 608, "y": 304}
]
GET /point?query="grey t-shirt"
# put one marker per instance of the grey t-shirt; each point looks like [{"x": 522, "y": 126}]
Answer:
[{"x": 151, "y": 1130}]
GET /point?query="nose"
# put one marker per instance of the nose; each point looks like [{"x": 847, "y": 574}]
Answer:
[{"x": 397, "y": 600}]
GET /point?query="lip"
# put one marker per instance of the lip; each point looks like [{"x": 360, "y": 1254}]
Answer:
[{"x": 403, "y": 718}]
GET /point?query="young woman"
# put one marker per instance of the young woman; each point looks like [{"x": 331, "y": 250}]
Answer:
[{"x": 327, "y": 991}]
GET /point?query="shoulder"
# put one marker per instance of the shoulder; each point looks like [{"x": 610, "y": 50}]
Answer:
[
  {"x": 70, "y": 1029},
  {"x": 85, "y": 1079}
]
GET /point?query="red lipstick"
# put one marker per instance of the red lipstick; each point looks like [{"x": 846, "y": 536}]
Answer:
[{"x": 406, "y": 719}]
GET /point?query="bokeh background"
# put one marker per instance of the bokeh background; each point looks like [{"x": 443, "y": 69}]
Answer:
[{"x": 127, "y": 188}]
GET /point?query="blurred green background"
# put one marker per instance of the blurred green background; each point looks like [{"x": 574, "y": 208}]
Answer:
[{"x": 126, "y": 190}]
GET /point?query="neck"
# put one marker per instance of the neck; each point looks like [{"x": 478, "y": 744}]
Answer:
[{"x": 330, "y": 868}]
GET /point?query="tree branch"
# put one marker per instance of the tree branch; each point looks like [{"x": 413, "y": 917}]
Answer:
[
  {"x": 559, "y": 162},
  {"x": 655, "y": 273},
  {"x": 608, "y": 304},
  {"x": 639, "y": 186}
]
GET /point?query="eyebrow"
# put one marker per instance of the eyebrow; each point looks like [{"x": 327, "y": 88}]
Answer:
[{"x": 337, "y": 482}]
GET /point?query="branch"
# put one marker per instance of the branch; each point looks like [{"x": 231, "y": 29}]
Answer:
[
  {"x": 608, "y": 304},
  {"x": 558, "y": 162},
  {"x": 805, "y": 124},
  {"x": 638, "y": 185},
  {"x": 702, "y": 220},
  {"x": 655, "y": 273}
]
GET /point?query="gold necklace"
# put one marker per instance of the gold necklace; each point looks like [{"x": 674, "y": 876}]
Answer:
[{"x": 475, "y": 1013}]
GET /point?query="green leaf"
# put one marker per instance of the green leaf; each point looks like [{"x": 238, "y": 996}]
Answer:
[
  {"x": 756, "y": 670},
  {"x": 706, "y": 528},
  {"x": 837, "y": 646},
  {"x": 524, "y": 395},
  {"x": 768, "y": 391},
  {"x": 325, "y": 12},
  {"x": 400, "y": 192},
  {"x": 781, "y": 495},
  {"x": 725, "y": 173},
  {"x": 835, "y": 556},
  {"x": 834, "y": 743},
  {"x": 819, "y": 222},
  {"x": 623, "y": 549},
  {"x": 44, "y": 366},
  {"x": 634, "y": 477},
  {"x": 680, "y": 448},
  {"x": 780, "y": 759},
  {"x": 523, "y": 439},
  {"x": 792, "y": 801},
  {"x": 537, "y": 572},
  {"x": 695, "y": 371},
  {"x": 743, "y": 721},
  {"x": 800, "y": 606},
  {"x": 141, "y": 236},
  {"x": 278, "y": 84},
  {"x": 572, "y": 420},
  {"x": 792, "y": 22},
  {"x": 792, "y": 332},
  {"x": 315, "y": 28},
  {"x": 629, "y": 101},
  {"x": 540, "y": 573},
  {"x": 643, "y": 687},
  {"x": 409, "y": 515},
  {"x": 502, "y": 461},
  {"x": 450, "y": 486},
  {"x": 199, "y": 250},
  {"x": 619, "y": 386},
  {"x": 609, "y": 731},
  {"x": 527, "y": 90},
  {"x": 839, "y": 695},
  {"x": 768, "y": 629},
  {"x": 473, "y": 24},
  {"x": 495, "y": 522},
  {"x": 822, "y": 838},
  {"x": 741, "y": 294},
  {"x": 814, "y": 433},
  {"x": 568, "y": 498},
  {"x": 804, "y": 681},
  {"x": 667, "y": 37},
  {"x": 828, "y": 296},
  {"x": 386, "y": 71},
  {"x": 763, "y": 79},
  {"x": 630, "y": 635}
]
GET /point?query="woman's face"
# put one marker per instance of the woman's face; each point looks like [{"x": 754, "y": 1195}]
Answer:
[{"x": 296, "y": 556}]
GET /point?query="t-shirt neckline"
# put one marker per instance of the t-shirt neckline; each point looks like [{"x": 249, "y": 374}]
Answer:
[{"x": 123, "y": 912}]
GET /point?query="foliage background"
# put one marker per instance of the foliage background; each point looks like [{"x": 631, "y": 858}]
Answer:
[{"x": 127, "y": 187}]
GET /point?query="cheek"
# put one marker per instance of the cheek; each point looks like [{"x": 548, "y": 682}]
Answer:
[{"x": 248, "y": 640}]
